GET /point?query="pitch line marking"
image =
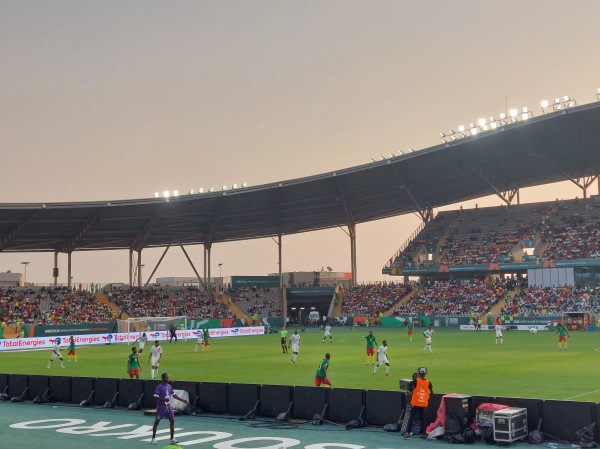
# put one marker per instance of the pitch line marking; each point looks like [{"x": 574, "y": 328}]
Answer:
[{"x": 579, "y": 395}]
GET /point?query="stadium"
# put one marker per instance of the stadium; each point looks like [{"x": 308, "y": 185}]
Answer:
[{"x": 524, "y": 267}]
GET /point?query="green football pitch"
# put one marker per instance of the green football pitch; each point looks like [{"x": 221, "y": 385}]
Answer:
[{"x": 525, "y": 366}]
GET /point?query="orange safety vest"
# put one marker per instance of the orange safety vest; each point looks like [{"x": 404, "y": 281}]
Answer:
[{"x": 420, "y": 395}]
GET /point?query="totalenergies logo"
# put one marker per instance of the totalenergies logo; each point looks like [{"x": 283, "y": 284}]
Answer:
[
  {"x": 234, "y": 331},
  {"x": 155, "y": 334},
  {"x": 107, "y": 338},
  {"x": 55, "y": 340}
]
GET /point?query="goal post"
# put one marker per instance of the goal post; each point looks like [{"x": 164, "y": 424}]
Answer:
[{"x": 151, "y": 324}]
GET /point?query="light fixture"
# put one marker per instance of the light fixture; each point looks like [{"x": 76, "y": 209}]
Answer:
[
  {"x": 525, "y": 114},
  {"x": 598, "y": 93},
  {"x": 201, "y": 190},
  {"x": 175, "y": 192},
  {"x": 544, "y": 103},
  {"x": 443, "y": 140},
  {"x": 191, "y": 192},
  {"x": 373, "y": 160},
  {"x": 502, "y": 116},
  {"x": 234, "y": 186},
  {"x": 245, "y": 184},
  {"x": 513, "y": 112},
  {"x": 411, "y": 150},
  {"x": 156, "y": 194},
  {"x": 400, "y": 153},
  {"x": 224, "y": 188},
  {"x": 392, "y": 155},
  {"x": 442, "y": 135},
  {"x": 453, "y": 137},
  {"x": 166, "y": 194},
  {"x": 481, "y": 122},
  {"x": 212, "y": 189}
]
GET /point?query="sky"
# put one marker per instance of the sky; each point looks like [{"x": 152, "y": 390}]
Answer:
[{"x": 117, "y": 100}]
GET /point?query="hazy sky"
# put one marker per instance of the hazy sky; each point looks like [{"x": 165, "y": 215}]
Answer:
[{"x": 106, "y": 100}]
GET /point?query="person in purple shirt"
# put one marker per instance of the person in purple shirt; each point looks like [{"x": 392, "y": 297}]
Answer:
[{"x": 163, "y": 394}]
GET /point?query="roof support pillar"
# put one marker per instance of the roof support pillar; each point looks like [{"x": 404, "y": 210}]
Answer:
[
  {"x": 130, "y": 268},
  {"x": 191, "y": 264},
  {"x": 157, "y": 265},
  {"x": 55, "y": 271},
  {"x": 585, "y": 182},
  {"x": 352, "y": 234},
  {"x": 69, "y": 276},
  {"x": 280, "y": 264},
  {"x": 207, "y": 267},
  {"x": 139, "y": 269}
]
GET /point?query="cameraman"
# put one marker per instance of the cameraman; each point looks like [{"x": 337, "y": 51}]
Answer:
[{"x": 421, "y": 390}]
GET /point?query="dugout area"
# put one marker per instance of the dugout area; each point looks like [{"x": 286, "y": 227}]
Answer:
[{"x": 261, "y": 405}]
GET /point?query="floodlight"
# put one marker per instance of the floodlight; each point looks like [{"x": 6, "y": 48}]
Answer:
[
  {"x": 382, "y": 158},
  {"x": 201, "y": 190},
  {"x": 492, "y": 119},
  {"x": 461, "y": 128},
  {"x": 566, "y": 98},
  {"x": 513, "y": 112},
  {"x": 392, "y": 155},
  {"x": 571, "y": 103},
  {"x": 400, "y": 153},
  {"x": 473, "y": 131},
  {"x": 525, "y": 114},
  {"x": 411, "y": 150},
  {"x": 442, "y": 135},
  {"x": 191, "y": 192},
  {"x": 443, "y": 140},
  {"x": 493, "y": 125},
  {"x": 234, "y": 186},
  {"x": 224, "y": 188},
  {"x": 156, "y": 194},
  {"x": 175, "y": 192},
  {"x": 245, "y": 184},
  {"x": 373, "y": 160},
  {"x": 544, "y": 103},
  {"x": 450, "y": 132},
  {"x": 481, "y": 122},
  {"x": 472, "y": 125},
  {"x": 212, "y": 189},
  {"x": 453, "y": 137},
  {"x": 166, "y": 194},
  {"x": 598, "y": 90},
  {"x": 502, "y": 116},
  {"x": 557, "y": 101}
]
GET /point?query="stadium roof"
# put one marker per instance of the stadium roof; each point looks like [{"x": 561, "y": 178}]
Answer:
[{"x": 553, "y": 147}]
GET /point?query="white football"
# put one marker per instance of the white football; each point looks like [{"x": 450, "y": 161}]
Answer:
[{"x": 533, "y": 330}]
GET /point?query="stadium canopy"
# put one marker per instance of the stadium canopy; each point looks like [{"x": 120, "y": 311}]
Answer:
[{"x": 558, "y": 146}]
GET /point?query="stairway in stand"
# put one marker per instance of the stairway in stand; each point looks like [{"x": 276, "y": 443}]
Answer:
[{"x": 101, "y": 297}]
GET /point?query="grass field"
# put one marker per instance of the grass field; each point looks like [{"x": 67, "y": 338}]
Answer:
[{"x": 528, "y": 366}]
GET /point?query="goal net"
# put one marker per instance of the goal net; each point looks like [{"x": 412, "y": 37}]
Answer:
[{"x": 152, "y": 324}]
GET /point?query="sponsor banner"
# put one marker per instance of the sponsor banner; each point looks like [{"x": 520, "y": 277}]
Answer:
[
  {"x": 302, "y": 292},
  {"x": 511, "y": 327},
  {"x": 11, "y": 344},
  {"x": 74, "y": 329}
]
